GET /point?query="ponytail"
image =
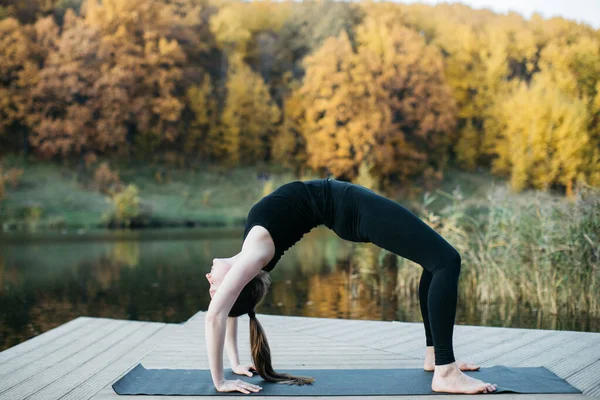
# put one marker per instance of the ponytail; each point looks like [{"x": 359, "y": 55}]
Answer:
[
  {"x": 251, "y": 295},
  {"x": 261, "y": 356}
]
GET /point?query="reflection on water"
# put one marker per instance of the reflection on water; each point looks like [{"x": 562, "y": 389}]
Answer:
[{"x": 159, "y": 276}]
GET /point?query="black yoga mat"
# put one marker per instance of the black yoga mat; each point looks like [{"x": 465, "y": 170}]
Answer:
[{"x": 337, "y": 382}]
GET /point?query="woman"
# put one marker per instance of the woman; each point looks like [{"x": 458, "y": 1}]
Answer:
[{"x": 354, "y": 213}]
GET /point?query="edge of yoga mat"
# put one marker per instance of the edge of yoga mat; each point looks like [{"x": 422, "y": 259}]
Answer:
[{"x": 338, "y": 382}]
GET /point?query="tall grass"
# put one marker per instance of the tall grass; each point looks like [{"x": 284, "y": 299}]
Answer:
[{"x": 532, "y": 248}]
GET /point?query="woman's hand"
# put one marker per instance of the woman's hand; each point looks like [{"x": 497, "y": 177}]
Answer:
[
  {"x": 237, "y": 386},
  {"x": 244, "y": 369}
]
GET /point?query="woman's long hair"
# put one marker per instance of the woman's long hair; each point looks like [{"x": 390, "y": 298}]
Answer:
[{"x": 252, "y": 294}]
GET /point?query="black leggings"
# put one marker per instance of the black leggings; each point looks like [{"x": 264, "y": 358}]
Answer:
[{"x": 361, "y": 215}]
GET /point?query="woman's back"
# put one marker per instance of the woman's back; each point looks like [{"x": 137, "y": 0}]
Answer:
[{"x": 291, "y": 211}]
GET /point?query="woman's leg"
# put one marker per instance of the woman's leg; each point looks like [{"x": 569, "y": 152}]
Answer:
[
  {"x": 424, "y": 284},
  {"x": 389, "y": 225}
]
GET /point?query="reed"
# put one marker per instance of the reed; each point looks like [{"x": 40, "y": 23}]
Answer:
[{"x": 532, "y": 248}]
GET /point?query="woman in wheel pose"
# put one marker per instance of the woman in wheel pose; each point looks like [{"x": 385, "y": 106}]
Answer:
[{"x": 354, "y": 213}]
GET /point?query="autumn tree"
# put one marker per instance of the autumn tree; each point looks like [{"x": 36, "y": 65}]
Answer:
[
  {"x": 308, "y": 25},
  {"x": 249, "y": 116},
  {"x": 22, "y": 50},
  {"x": 15, "y": 65},
  {"x": 203, "y": 136},
  {"x": 385, "y": 104},
  {"x": 63, "y": 119},
  {"x": 345, "y": 112},
  {"x": 421, "y": 102},
  {"x": 288, "y": 146},
  {"x": 542, "y": 137},
  {"x": 483, "y": 51},
  {"x": 237, "y": 24},
  {"x": 139, "y": 58}
]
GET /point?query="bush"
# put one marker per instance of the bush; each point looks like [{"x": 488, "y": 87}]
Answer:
[{"x": 126, "y": 207}]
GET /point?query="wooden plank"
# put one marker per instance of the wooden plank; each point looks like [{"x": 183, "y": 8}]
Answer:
[
  {"x": 332, "y": 329},
  {"x": 91, "y": 367},
  {"x": 338, "y": 350},
  {"x": 55, "y": 346},
  {"x": 296, "y": 323},
  {"x": 466, "y": 350},
  {"x": 39, "y": 376},
  {"x": 586, "y": 378},
  {"x": 322, "y": 325},
  {"x": 415, "y": 347},
  {"x": 576, "y": 361},
  {"x": 400, "y": 344},
  {"x": 594, "y": 392},
  {"x": 534, "y": 348},
  {"x": 358, "y": 334},
  {"x": 560, "y": 352},
  {"x": 524, "y": 340},
  {"x": 121, "y": 366},
  {"x": 27, "y": 371},
  {"x": 386, "y": 335},
  {"x": 43, "y": 339},
  {"x": 333, "y": 344}
]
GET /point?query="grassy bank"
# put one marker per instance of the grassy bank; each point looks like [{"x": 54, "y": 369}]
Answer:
[
  {"x": 69, "y": 196},
  {"x": 58, "y": 196}
]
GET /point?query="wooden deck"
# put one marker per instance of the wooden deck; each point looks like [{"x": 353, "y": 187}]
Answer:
[{"x": 82, "y": 358}]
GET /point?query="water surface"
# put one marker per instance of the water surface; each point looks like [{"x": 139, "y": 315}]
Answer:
[{"x": 158, "y": 275}]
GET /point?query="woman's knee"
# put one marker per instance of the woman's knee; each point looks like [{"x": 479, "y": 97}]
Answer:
[
  {"x": 454, "y": 260},
  {"x": 451, "y": 261}
]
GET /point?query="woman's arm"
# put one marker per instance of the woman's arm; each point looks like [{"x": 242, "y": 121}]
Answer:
[
  {"x": 231, "y": 342},
  {"x": 232, "y": 349},
  {"x": 254, "y": 256}
]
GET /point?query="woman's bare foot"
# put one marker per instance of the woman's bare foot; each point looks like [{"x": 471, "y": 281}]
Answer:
[
  {"x": 430, "y": 362},
  {"x": 449, "y": 379}
]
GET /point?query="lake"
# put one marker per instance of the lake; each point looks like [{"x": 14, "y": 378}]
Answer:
[{"x": 159, "y": 275}]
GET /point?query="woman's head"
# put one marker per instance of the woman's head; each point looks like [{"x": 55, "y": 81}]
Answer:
[
  {"x": 219, "y": 269},
  {"x": 251, "y": 295}
]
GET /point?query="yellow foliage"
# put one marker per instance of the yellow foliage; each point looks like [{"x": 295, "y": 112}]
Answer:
[
  {"x": 249, "y": 117},
  {"x": 345, "y": 112},
  {"x": 18, "y": 70},
  {"x": 383, "y": 86},
  {"x": 385, "y": 103},
  {"x": 467, "y": 147},
  {"x": 126, "y": 205},
  {"x": 203, "y": 134},
  {"x": 236, "y": 23},
  {"x": 541, "y": 136},
  {"x": 288, "y": 147}
]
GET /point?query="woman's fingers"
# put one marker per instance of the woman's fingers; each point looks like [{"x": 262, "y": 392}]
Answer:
[{"x": 246, "y": 387}]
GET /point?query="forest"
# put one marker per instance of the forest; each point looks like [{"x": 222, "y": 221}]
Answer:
[{"x": 387, "y": 90}]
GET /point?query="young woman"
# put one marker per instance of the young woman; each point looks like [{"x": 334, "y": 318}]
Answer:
[{"x": 354, "y": 213}]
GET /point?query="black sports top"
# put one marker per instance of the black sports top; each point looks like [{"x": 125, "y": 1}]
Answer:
[{"x": 290, "y": 212}]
